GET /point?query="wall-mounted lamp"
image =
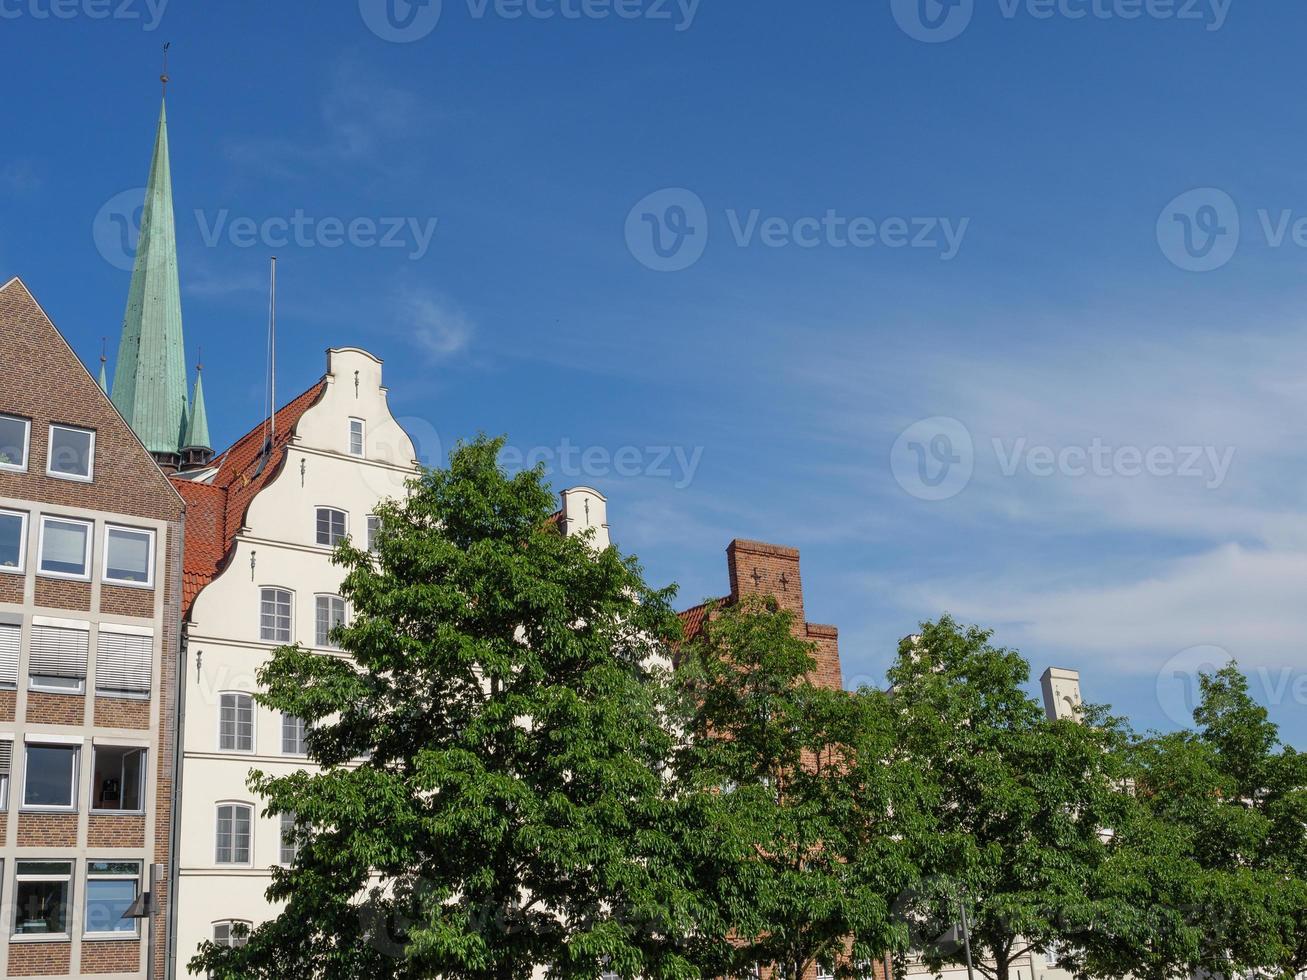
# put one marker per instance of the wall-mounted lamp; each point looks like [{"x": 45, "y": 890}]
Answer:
[
  {"x": 304, "y": 465},
  {"x": 199, "y": 661},
  {"x": 253, "y": 561},
  {"x": 356, "y": 384}
]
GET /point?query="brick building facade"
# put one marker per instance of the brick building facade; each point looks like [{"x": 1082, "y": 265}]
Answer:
[{"x": 90, "y": 587}]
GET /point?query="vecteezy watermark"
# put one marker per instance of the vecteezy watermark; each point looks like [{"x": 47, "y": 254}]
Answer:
[
  {"x": 676, "y": 463},
  {"x": 148, "y": 12},
  {"x": 405, "y": 21},
  {"x": 116, "y": 230},
  {"x": 934, "y": 21},
  {"x": 668, "y": 231},
  {"x": 1179, "y": 682},
  {"x": 935, "y": 458},
  {"x": 1200, "y": 230}
]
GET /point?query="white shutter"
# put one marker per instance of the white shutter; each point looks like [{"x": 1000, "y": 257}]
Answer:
[
  {"x": 9, "y": 643},
  {"x": 58, "y": 652},
  {"x": 123, "y": 661}
]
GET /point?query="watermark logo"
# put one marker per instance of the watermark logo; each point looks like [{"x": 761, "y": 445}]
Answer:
[
  {"x": 148, "y": 12},
  {"x": 933, "y": 459},
  {"x": 1180, "y": 689},
  {"x": 932, "y": 21},
  {"x": 116, "y": 229},
  {"x": 400, "y": 21},
  {"x": 667, "y": 231},
  {"x": 1199, "y": 230}
]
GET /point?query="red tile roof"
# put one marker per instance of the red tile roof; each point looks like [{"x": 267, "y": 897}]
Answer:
[
  {"x": 692, "y": 619},
  {"x": 215, "y": 510}
]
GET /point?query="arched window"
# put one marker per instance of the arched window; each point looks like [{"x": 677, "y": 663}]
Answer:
[{"x": 235, "y": 833}]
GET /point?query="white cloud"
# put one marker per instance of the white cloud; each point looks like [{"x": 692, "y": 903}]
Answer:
[{"x": 435, "y": 327}]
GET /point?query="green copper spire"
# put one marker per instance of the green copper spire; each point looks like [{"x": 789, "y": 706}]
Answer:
[
  {"x": 149, "y": 382},
  {"x": 197, "y": 431},
  {"x": 104, "y": 378}
]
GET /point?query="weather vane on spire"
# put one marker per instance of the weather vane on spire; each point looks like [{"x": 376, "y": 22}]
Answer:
[
  {"x": 164, "y": 77},
  {"x": 199, "y": 360}
]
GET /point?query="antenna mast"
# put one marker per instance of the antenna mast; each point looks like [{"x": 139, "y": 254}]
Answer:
[{"x": 272, "y": 354}]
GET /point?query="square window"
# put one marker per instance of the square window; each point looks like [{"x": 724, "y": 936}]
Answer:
[
  {"x": 234, "y": 822},
  {"x": 236, "y": 723},
  {"x": 118, "y": 779},
  {"x": 128, "y": 556},
  {"x": 330, "y": 613},
  {"x": 65, "y": 547},
  {"x": 42, "y": 890},
  {"x": 331, "y": 526},
  {"x": 50, "y": 777},
  {"x": 274, "y": 616},
  {"x": 111, "y": 888},
  {"x": 72, "y": 453},
  {"x": 14, "y": 438},
  {"x": 13, "y": 540},
  {"x": 292, "y": 736},
  {"x": 356, "y": 437}
]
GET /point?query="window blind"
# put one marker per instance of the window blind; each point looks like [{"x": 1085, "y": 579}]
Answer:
[
  {"x": 58, "y": 652},
  {"x": 9, "y": 643},
  {"x": 124, "y": 662}
]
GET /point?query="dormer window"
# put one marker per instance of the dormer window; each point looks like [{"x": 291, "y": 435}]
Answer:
[
  {"x": 72, "y": 453},
  {"x": 356, "y": 437}
]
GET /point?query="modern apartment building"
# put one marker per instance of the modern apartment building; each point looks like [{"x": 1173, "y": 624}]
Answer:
[{"x": 90, "y": 593}]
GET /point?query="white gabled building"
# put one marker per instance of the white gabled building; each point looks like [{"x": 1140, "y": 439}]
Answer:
[{"x": 260, "y": 528}]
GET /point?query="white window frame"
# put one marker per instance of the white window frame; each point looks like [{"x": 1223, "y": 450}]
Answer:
[
  {"x": 7, "y": 777},
  {"x": 217, "y": 817},
  {"x": 149, "y": 569},
  {"x": 52, "y": 742},
  {"x": 290, "y": 628},
  {"x": 127, "y": 934},
  {"x": 86, "y": 551},
  {"x": 231, "y": 924},
  {"x": 335, "y": 510},
  {"x": 304, "y": 730},
  {"x": 140, "y": 790},
  {"x": 44, "y": 684},
  {"x": 282, "y": 820},
  {"x": 68, "y": 906},
  {"x": 21, "y": 567},
  {"x": 90, "y": 454},
  {"x": 27, "y": 444},
  {"x": 373, "y": 529},
  {"x": 254, "y": 722},
  {"x": 363, "y": 438},
  {"x": 326, "y": 643}
]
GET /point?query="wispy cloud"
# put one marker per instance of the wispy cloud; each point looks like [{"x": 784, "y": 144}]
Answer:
[{"x": 432, "y": 324}]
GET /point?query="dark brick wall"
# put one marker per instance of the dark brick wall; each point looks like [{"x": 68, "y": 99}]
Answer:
[
  {"x": 62, "y": 593},
  {"x": 56, "y": 709},
  {"x": 111, "y": 957},
  {"x": 47, "y": 830},
  {"x": 8, "y": 705},
  {"x": 115, "y": 830},
  {"x": 122, "y": 713},
  {"x": 117, "y": 600},
  {"x": 39, "y": 959},
  {"x": 11, "y": 588}
]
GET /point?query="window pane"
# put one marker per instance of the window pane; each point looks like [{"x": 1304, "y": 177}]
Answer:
[
  {"x": 13, "y": 442},
  {"x": 331, "y": 525},
  {"x": 50, "y": 775},
  {"x": 330, "y": 614},
  {"x": 292, "y": 735},
  {"x": 42, "y": 907},
  {"x": 116, "y": 781},
  {"x": 374, "y": 525},
  {"x": 289, "y": 848},
  {"x": 106, "y": 901},
  {"x": 274, "y": 616},
  {"x": 236, "y": 723},
  {"x": 129, "y": 555},
  {"x": 11, "y": 540},
  {"x": 63, "y": 547},
  {"x": 356, "y": 436},
  {"x": 70, "y": 451}
]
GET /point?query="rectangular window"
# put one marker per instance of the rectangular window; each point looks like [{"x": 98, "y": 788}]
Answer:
[
  {"x": 330, "y": 614},
  {"x": 111, "y": 888},
  {"x": 289, "y": 846},
  {"x": 331, "y": 526},
  {"x": 13, "y": 541},
  {"x": 292, "y": 736},
  {"x": 234, "y": 934},
  {"x": 57, "y": 657},
  {"x": 50, "y": 777},
  {"x": 118, "y": 780},
  {"x": 374, "y": 527},
  {"x": 42, "y": 893},
  {"x": 128, "y": 556},
  {"x": 11, "y": 632},
  {"x": 235, "y": 723},
  {"x": 124, "y": 662},
  {"x": 234, "y": 821},
  {"x": 72, "y": 453},
  {"x": 65, "y": 547},
  {"x": 274, "y": 616},
  {"x": 6, "y": 764},
  {"x": 356, "y": 437},
  {"x": 15, "y": 436}
]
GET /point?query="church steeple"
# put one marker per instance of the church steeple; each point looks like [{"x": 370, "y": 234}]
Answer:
[
  {"x": 149, "y": 383},
  {"x": 196, "y": 450}
]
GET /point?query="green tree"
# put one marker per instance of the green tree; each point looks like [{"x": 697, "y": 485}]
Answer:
[
  {"x": 491, "y": 796},
  {"x": 798, "y": 788},
  {"x": 1021, "y": 802}
]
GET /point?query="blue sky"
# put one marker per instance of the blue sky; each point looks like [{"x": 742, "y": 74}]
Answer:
[{"x": 926, "y": 310}]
